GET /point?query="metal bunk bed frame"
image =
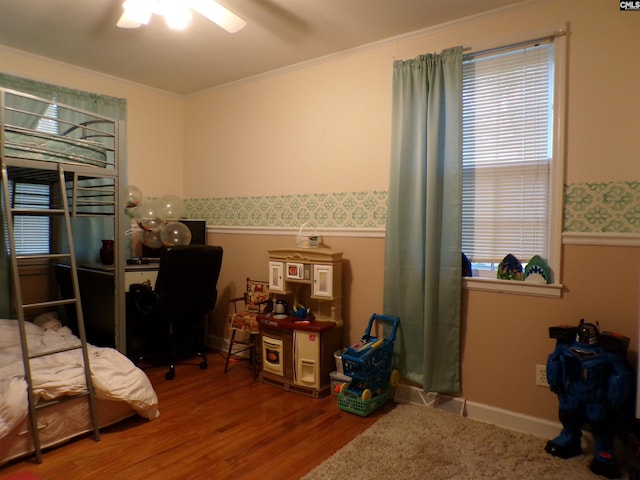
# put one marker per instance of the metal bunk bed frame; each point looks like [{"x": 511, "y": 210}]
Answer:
[{"x": 77, "y": 189}]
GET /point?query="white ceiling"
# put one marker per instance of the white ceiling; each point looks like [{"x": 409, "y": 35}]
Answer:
[{"x": 279, "y": 33}]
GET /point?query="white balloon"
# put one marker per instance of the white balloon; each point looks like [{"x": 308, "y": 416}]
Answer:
[
  {"x": 175, "y": 233},
  {"x": 172, "y": 207},
  {"x": 152, "y": 239},
  {"x": 148, "y": 216},
  {"x": 134, "y": 196}
]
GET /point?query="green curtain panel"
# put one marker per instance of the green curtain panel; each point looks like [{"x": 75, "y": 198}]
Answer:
[{"x": 422, "y": 283}]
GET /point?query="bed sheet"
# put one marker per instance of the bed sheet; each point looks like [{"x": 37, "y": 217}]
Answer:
[
  {"x": 114, "y": 376},
  {"x": 24, "y": 144}
]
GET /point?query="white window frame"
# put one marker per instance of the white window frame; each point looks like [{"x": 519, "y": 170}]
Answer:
[{"x": 556, "y": 188}]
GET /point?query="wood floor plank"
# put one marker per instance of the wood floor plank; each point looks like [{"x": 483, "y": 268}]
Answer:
[{"x": 212, "y": 425}]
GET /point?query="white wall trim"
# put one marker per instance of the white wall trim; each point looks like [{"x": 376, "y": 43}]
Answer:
[
  {"x": 513, "y": 420},
  {"x": 328, "y": 232},
  {"x": 519, "y": 422},
  {"x": 553, "y": 290},
  {"x": 568, "y": 238},
  {"x": 601, "y": 239}
]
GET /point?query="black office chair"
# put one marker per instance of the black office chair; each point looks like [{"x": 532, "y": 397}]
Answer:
[{"x": 185, "y": 291}]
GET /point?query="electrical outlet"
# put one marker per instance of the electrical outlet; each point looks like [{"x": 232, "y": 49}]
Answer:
[{"x": 541, "y": 376}]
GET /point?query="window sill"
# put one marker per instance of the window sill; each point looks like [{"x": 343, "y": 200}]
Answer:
[{"x": 513, "y": 287}]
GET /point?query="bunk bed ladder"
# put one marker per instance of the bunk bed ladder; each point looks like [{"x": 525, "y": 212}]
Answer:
[{"x": 16, "y": 261}]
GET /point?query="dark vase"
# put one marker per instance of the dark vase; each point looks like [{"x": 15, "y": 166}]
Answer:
[{"x": 106, "y": 252}]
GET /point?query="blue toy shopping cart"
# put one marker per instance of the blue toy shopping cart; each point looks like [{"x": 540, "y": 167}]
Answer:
[{"x": 369, "y": 364}]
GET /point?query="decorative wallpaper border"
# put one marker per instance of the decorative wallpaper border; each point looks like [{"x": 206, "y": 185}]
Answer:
[
  {"x": 603, "y": 207},
  {"x": 357, "y": 210}
]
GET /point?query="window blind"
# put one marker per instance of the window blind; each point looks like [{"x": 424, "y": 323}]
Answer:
[
  {"x": 31, "y": 232},
  {"x": 506, "y": 153}
]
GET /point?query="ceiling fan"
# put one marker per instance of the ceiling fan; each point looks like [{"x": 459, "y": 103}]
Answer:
[{"x": 177, "y": 13}]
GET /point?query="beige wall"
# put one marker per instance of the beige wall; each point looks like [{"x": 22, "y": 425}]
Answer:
[
  {"x": 325, "y": 128},
  {"x": 505, "y": 336}
]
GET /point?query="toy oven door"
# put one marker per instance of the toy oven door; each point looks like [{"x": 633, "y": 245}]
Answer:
[{"x": 273, "y": 355}]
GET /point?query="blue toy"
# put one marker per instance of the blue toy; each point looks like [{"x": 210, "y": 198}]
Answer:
[
  {"x": 368, "y": 361},
  {"x": 589, "y": 372}
]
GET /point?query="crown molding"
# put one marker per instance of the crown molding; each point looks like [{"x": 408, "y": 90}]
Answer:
[{"x": 284, "y": 231}]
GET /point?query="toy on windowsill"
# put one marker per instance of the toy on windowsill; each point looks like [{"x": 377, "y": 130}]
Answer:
[
  {"x": 589, "y": 372},
  {"x": 510, "y": 268},
  {"x": 537, "y": 271}
]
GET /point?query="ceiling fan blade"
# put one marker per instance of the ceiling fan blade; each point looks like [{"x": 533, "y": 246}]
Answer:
[{"x": 218, "y": 14}]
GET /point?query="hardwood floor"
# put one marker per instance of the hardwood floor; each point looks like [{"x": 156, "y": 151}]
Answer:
[{"x": 212, "y": 425}]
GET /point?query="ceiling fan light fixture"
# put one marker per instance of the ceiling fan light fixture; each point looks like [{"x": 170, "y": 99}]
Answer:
[
  {"x": 136, "y": 13},
  {"x": 177, "y": 15}
]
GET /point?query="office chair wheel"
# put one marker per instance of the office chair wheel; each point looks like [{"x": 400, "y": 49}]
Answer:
[
  {"x": 171, "y": 374},
  {"x": 203, "y": 365}
]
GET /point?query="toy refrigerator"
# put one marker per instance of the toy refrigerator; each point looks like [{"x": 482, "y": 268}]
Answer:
[{"x": 307, "y": 359}]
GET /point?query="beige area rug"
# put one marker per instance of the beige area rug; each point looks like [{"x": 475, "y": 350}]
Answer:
[{"x": 418, "y": 442}]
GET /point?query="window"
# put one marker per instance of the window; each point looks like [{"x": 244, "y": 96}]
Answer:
[
  {"x": 32, "y": 233},
  {"x": 511, "y": 193}
]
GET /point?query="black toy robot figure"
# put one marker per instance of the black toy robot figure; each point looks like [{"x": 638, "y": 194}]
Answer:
[{"x": 589, "y": 372}]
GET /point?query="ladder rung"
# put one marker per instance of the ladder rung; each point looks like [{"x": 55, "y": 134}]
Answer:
[
  {"x": 53, "y": 352},
  {"x": 52, "y": 303},
  {"x": 59, "y": 400},
  {"x": 33, "y": 211},
  {"x": 37, "y": 256},
  {"x": 78, "y": 214}
]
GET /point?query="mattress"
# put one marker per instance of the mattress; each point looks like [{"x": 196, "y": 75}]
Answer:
[
  {"x": 59, "y": 424},
  {"x": 38, "y": 146}
]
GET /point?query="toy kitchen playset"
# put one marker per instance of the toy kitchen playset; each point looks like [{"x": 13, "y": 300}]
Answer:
[{"x": 301, "y": 334}]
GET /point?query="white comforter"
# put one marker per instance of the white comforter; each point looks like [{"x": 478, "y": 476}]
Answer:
[{"x": 114, "y": 376}]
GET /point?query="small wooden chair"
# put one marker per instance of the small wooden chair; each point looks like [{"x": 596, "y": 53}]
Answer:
[{"x": 257, "y": 299}]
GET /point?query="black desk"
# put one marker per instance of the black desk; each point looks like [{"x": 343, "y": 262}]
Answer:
[{"x": 97, "y": 287}]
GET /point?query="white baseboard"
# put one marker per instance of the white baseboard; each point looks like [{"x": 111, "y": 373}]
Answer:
[
  {"x": 217, "y": 343},
  {"x": 513, "y": 420},
  {"x": 222, "y": 345},
  {"x": 483, "y": 413}
]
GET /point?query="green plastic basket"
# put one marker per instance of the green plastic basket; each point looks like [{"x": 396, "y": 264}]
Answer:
[{"x": 352, "y": 404}]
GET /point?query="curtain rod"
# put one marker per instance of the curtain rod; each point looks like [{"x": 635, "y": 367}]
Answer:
[{"x": 551, "y": 36}]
